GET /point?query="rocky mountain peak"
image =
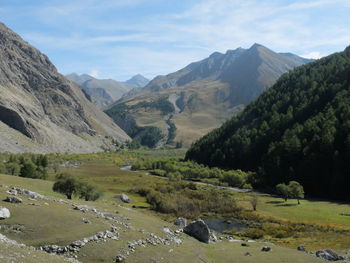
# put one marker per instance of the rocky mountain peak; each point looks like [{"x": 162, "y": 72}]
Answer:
[{"x": 39, "y": 103}]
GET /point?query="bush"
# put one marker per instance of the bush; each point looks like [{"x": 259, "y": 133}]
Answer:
[
  {"x": 253, "y": 233},
  {"x": 70, "y": 186}
]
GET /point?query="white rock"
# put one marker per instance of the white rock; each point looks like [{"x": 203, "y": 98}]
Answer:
[{"x": 4, "y": 213}]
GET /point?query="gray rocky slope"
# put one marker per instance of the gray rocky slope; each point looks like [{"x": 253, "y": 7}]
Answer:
[
  {"x": 104, "y": 92},
  {"x": 41, "y": 110}
]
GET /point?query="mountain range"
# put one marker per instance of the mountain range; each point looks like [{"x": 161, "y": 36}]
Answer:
[
  {"x": 41, "y": 110},
  {"x": 204, "y": 94},
  {"x": 298, "y": 130},
  {"x": 104, "y": 92}
]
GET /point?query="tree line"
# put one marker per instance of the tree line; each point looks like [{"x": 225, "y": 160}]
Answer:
[{"x": 298, "y": 130}]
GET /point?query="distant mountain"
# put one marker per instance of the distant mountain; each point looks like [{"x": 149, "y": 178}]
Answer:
[
  {"x": 103, "y": 92},
  {"x": 296, "y": 130},
  {"x": 206, "y": 93},
  {"x": 41, "y": 110},
  {"x": 138, "y": 81}
]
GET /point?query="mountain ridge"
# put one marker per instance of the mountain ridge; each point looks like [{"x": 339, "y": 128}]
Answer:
[
  {"x": 42, "y": 109},
  {"x": 208, "y": 91},
  {"x": 296, "y": 130}
]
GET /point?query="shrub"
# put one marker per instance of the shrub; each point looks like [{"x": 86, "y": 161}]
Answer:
[
  {"x": 253, "y": 233},
  {"x": 70, "y": 186}
]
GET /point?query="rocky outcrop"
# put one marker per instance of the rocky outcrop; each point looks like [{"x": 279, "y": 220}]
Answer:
[
  {"x": 4, "y": 213},
  {"x": 125, "y": 198},
  {"x": 329, "y": 254},
  {"x": 198, "y": 230},
  {"x": 266, "y": 249},
  {"x": 13, "y": 199},
  {"x": 180, "y": 221},
  {"x": 41, "y": 110},
  {"x": 77, "y": 245}
]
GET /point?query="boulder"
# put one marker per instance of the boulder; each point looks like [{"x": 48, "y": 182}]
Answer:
[
  {"x": 125, "y": 198},
  {"x": 199, "y": 230},
  {"x": 13, "y": 199},
  {"x": 180, "y": 221},
  {"x": 329, "y": 254},
  {"x": 85, "y": 220},
  {"x": 301, "y": 248},
  {"x": 266, "y": 249},
  {"x": 4, "y": 213},
  {"x": 12, "y": 192},
  {"x": 119, "y": 258}
]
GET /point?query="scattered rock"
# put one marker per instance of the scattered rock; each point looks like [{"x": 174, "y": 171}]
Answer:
[
  {"x": 77, "y": 245},
  {"x": 329, "y": 254},
  {"x": 125, "y": 198},
  {"x": 85, "y": 220},
  {"x": 344, "y": 214},
  {"x": 198, "y": 230},
  {"x": 27, "y": 193},
  {"x": 167, "y": 230},
  {"x": 182, "y": 222},
  {"x": 301, "y": 248},
  {"x": 247, "y": 254},
  {"x": 13, "y": 199},
  {"x": 4, "y": 213},
  {"x": 119, "y": 258},
  {"x": 12, "y": 192},
  {"x": 266, "y": 249},
  {"x": 213, "y": 237}
]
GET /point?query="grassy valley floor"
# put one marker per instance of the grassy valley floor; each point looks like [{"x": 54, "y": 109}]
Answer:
[{"x": 50, "y": 221}]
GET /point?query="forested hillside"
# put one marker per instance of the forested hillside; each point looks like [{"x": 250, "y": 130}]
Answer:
[{"x": 299, "y": 129}]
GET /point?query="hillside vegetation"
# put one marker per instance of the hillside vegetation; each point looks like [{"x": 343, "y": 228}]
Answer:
[{"x": 297, "y": 130}]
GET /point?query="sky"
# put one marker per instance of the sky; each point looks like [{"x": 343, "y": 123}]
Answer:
[{"x": 120, "y": 38}]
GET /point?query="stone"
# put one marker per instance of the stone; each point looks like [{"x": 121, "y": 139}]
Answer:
[
  {"x": 266, "y": 249},
  {"x": 4, "y": 213},
  {"x": 213, "y": 237},
  {"x": 119, "y": 258},
  {"x": 12, "y": 192},
  {"x": 329, "y": 254},
  {"x": 78, "y": 244},
  {"x": 125, "y": 198},
  {"x": 301, "y": 248},
  {"x": 247, "y": 254},
  {"x": 180, "y": 221},
  {"x": 199, "y": 230},
  {"x": 13, "y": 199},
  {"x": 85, "y": 220}
]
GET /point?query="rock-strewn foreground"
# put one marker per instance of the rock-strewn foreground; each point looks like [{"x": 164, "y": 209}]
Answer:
[
  {"x": 110, "y": 231},
  {"x": 41, "y": 110}
]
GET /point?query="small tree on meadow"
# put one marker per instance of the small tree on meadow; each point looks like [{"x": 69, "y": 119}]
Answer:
[
  {"x": 67, "y": 185},
  {"x": 296, "y": 190},
  {"x": 283, "y": 190}
]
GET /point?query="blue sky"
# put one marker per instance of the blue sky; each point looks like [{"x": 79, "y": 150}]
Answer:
[{"x": 120, "y": 38}]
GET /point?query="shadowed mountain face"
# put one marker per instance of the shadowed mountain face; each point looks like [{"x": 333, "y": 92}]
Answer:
[
  {"x": 296, "y": 130},
  {"x": 207, "y": 92},
  {"x": 40, "y": 110}
]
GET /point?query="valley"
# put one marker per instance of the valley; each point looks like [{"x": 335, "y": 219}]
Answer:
[
  {"x": 223, "y": 150},
  {"x": 58, "y": 223}
]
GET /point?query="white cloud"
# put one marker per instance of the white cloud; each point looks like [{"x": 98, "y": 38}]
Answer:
[
  {"x": 313, "y": 55},
  {"x": 163, "y": 42},
  {"x": 94, "y": 73}
]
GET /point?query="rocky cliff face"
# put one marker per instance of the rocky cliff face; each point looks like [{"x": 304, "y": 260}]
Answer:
[{"x": 41, "y": 110}]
